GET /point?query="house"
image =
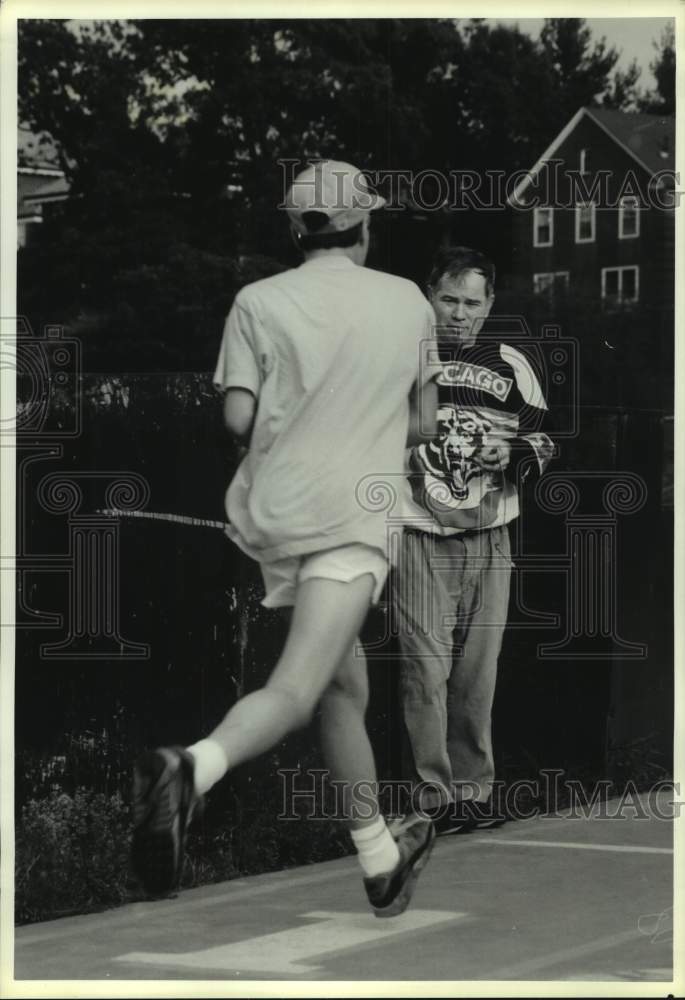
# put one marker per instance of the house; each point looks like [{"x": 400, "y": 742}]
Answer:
[
  {"x": 594, "y": 218},
  {"x": 41, "y": 182}
]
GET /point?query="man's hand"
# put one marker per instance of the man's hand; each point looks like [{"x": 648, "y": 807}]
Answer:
[{"x": 493, "y": 457}]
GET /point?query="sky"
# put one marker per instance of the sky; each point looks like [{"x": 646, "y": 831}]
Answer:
[{"x": 632, "y": 36}]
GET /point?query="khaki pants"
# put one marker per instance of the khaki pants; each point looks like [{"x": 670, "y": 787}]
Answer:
[{"x": 451, "y": 597}]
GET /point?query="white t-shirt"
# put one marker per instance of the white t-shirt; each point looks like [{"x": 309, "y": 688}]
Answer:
[{"x": 331, "y": 351}]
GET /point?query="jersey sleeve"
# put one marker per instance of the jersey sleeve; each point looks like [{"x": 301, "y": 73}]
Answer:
[
  {"x": 533, "y": 455},
  {"x": 533, "y": 448},
  {"x": 237, "y": 366}
]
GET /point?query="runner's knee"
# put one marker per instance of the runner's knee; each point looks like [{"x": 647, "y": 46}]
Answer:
[{"x": 350, "y": 682}]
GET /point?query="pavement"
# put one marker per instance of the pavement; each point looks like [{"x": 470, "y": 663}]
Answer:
[{"x": 553, "y": 898}]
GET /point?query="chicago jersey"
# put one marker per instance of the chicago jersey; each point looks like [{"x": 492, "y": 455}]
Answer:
[{"x": 487, "y": 393}]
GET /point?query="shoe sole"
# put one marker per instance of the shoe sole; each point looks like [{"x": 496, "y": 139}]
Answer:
[
  {"x": 488, "y": 824},
  {"x": 454, "y": 831},
  {"x": 417, "y": 863},
  {"x": 156, "y": 850}
]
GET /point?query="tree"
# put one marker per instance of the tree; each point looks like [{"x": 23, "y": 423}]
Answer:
[
  {"x": 172, "y": 131},
  {"x": 263, "y": 91},
  {"x": 510, "y": 92},
  {"x": 179, "y": 137},
  {"x": 580, "y": 73},
  {"x": 623, "y": 93},
  {"x": 82, "y": 85},
  {"x": 663, "y": 67},
  {"x": 128, "y": 263},
  {"x": 205, "y": 107},
  {"x": 495, "y": 92}
]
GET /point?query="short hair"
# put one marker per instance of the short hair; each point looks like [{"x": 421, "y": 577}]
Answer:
[
  {"x": 314, "y": 240},
  {"x": 451, "y": 262}
]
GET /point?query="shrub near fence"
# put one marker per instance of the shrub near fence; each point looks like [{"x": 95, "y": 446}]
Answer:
[{"x": 194, "y": 599}]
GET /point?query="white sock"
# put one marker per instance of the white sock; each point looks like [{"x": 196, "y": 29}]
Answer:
[
  {"x": 210, "y": 764},
  {"x": 377, "y": 851}
]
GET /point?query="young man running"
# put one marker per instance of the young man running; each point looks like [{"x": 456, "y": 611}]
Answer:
[{"x": 324, "y": 377}]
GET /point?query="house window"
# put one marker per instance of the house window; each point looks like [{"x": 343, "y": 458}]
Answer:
[
  {"x": 628, "y": 218},
  {"x": 583, "y": 161},
  {"x": 543, "y": 227},
  {"x": 620, "y": 285},
  {"x": 551, "y": 284},
  {"x": 585, "y": 223}
]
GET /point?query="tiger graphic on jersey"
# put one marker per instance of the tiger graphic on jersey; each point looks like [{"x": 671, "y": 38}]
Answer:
[{"x": 487, "y": 396}]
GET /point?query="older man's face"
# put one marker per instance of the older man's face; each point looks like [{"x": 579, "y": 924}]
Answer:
[{"x": 461, "y": 305}]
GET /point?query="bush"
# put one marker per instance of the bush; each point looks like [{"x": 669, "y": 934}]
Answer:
[
  {"x": 71, "y": 854},
  {"x": 73, "y": 844}
]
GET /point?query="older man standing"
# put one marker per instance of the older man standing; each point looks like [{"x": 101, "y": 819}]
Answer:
[{"x": 451, "y": 586}]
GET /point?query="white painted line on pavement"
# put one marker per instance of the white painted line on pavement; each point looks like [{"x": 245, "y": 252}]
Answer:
[
  {"x": 198, "y": 898},
  {"x": 524, "y": 969},
  {"x": 572, "y": 844},
  {"x": 292, "y": 951}
]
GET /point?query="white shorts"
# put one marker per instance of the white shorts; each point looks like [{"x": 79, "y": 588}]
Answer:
[{"x": 345, "y": 563}]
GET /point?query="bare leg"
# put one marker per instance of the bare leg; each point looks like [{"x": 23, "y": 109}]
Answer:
[
  {"x": 345, "y": 742},
  {"x": 326, "y": 618},
  {"x": 317, "y": 663}
]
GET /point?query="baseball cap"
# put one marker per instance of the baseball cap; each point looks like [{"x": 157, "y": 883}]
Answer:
[{"x": 335, "y": 189}]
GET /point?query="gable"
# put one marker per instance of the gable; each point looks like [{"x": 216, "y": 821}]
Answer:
[{"x": 631, "y": 152}]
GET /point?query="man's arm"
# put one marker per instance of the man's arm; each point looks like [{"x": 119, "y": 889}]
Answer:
[
  {"x": 532, "y": 450},
  {"x": 423, "y": 406},
  {"x": 240, "y": 406},
  {"x": 237, "y": 374}
]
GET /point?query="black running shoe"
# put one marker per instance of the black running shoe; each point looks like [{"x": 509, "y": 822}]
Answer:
[
  {"x": 447, "y": 823},
  {"x": 484, "y": 815},
  {"x": 390, "y": 893},
  {"x": 465, "y": 816},
  {"x": 164, "y": 800}
]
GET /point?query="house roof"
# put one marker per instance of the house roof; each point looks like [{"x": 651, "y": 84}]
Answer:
[{"x": 648, "y": 139}]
